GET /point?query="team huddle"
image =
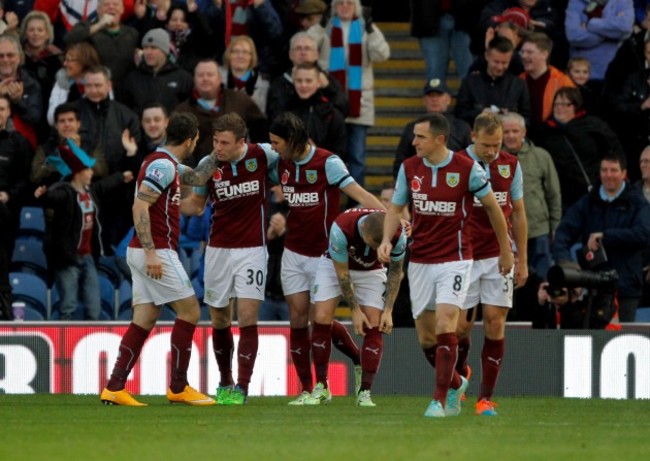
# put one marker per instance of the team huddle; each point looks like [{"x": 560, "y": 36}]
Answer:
[{"x": 458, "y": 210}]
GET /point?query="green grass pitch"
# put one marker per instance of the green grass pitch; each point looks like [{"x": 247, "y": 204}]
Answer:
[{"x": 68, "y": 427}]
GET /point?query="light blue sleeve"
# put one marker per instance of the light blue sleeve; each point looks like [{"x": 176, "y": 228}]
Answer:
[
  {"x": 401, "y": 194},
  {"x": 338, "y": 246},
  {"x": 337, "y": 173},
  {"x": 399, "y": 250},
  {"x": 517, "y": 186},
  {"x": 478, "y": 182},
  {"x": 160, "y": 174},
  {"x": 272, "y": 158}
]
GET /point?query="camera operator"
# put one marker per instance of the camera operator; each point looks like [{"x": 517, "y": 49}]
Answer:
[
  {"x": 612, "y": 217},
  {"x": 574, "y": 299}
]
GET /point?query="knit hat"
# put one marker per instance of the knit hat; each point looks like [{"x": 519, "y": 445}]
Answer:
[
  {"x": 158, "y": 38},
  {"x": 308, "y": 7},
  {"x": 517, "y": 16},
  {"x": 73, "y": 159}
]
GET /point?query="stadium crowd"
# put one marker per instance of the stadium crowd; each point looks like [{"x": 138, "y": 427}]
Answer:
[{"x": 569, "y": 78}]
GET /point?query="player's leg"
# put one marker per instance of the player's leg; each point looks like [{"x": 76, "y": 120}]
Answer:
[
  {"x": 247, "y": 312},
  {"x": 372, "y": 351},
  {"x": 321, "y": 342},
  {"x": 467, "y": 318}
]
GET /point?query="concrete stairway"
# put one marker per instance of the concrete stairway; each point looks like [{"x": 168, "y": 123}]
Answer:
[{"x": 398, "y": 100}]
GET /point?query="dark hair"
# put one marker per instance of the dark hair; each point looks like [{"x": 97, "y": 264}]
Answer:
[
  {"x": 65, "y": 108},
  {"x": 373, "y": 226},
  {"x": 487, "y": 122},
  {"x": 501, "y": 44},
  {"x": 571, "y": 94},
  {"x": 155, "y": 105},
  {"x": 438, "y": 124},
  {"x": 292, "y": 129},
  {"x": 233, "y": 123},
  {"x": 308, "y": 66},
  {"x": 540, "y": 39},
  {"x": 105, "y": 71},
  {"x": 615, "y": 157},
  {"x": 182, "y": 126}
]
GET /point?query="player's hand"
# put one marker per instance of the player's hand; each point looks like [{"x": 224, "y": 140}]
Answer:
[
  {"x": 359, "y": 320},
  {"x": 386, "y": 322},
  {"x": 383, "y": 252},
  {"x": 506, "y": 261},
  {"x": 521, "y": 273},
  {"x": 408, "y": 229},
  {"x": 153, "y": 265}
]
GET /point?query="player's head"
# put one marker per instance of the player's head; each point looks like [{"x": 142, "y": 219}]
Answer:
[
  {"x": 386, "y": 193},
  {"x": 487, "y": 135},
  {"x": 183, "y": 132},
  {"x": 289, "y": 135},
  {"x": 372, "y": 229},
  {"x": 431, "y": 132},
  {"x": 229, "y": 137}
]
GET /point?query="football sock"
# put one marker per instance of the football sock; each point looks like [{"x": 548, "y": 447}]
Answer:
[
  {"x": 491, "y": 358},
  {"x": 181, "y": 341},
  {"x": 343, "y": 341},
  {"x": 430, "y": 354},
  {"x": 222, "y": 346},
  {"x": 246, "y": 355},
  {"x": 129, "y": 351},
  {"x": 300, "y": 354},
  {"x": 321, "y": 350},
  {"x": 371, "y": 353},
  {"x": 463, "y": 352},
  {"x": 446, "y": 356}
]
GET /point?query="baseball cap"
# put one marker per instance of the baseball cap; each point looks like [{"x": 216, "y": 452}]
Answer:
[
  {"x": 308, "y": 7},
  {"x": 435, "y": 84},
  {"x": 517, "y": 16}
]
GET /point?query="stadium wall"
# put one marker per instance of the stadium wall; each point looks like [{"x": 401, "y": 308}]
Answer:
[{"x": 77, "y": 358}]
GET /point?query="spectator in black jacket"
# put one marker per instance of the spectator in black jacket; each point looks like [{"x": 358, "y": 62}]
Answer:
[
  {"x": 436, "y": 101},
  {"x": 493, "y": 89},
  {"x": 325, "y": 123},
  {"x": 156, "y": 79},
  {"x": 615, "y": 216}
]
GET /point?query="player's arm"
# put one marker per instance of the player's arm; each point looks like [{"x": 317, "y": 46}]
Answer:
[
  {"x": 145, "y": 197},
  {"x": 359, "y": 319},
  {"x": 393, "y": 281},
  {"x": 194, "y": 204},
  {"x": 362, "y": 196},
  {"x": 199, "y": 175},
  {"x": 498, "y": 222},
  {"x": 520, "y": 236}
]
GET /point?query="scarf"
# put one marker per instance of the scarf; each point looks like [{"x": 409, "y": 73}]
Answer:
[
  {"x": 350, "y": 79},
  {"x": 178, "y": 38},
  {"x": 236, "y": 18},
  {"x": 206, "y": 104},
  {"x": 246, "y": 84}
]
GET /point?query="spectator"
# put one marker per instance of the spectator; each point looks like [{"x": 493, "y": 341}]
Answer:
[
  {"x": 512, "y": 24},
  {"x": 23, "y": 90},
  {"x": 310, "y": 13},
  {"x": 210, "y": 100},
  {"x": 542, "y": 79},
  {"x": 613, "y": 215},
  {"x": 18, "y": 7},
  {"x": 493, "y": 89},
  {"x": 349, "y": 44},
  {"x": 643, "y": 187},
  {"x": 115, "y": 42},
  {"x": 42, "y": 58},
  {"x": 436, "y": 101},
  {"x": 579, "y": 71},
  {"x": 154, "y": 121},
  {"x": 443, "y": 28},
  {"x": 156, "y": 79},
  {"x": 541, "y": 191},
  {"x": 595, "y": 31},
  {"x": 302, "y": 48},
  {"x": 73, "y": 229},
  {"x": 67, "y": 126},
  {"x": 240, "y": 71},
  {"x": 324, "y": 122},
  {"x": 576, "y": 142},
  {"x": 69, "y": 84}
]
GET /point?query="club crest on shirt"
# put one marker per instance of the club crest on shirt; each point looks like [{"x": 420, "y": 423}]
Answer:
[
  {"x": 251, "y": 164},
  {"x": 504, "y": 171},
  {"x": 311, "y": 175},
  {"x": 453, "y": 179},
  {"x": 285, "y": 177},
  {"x": 416, "y": 184}
]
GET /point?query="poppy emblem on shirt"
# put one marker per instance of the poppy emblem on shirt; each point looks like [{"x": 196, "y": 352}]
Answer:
[
  {"x": 416, "y": 184},
  {"x": 285, "y": 177},
  {"x": 312, "y": 176},
  {"x": 504, "y": 171},
  {"x": 218, "y": 174},
  {"x": 453, "y": 179},
  {"x": 251, "y": 164}
]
